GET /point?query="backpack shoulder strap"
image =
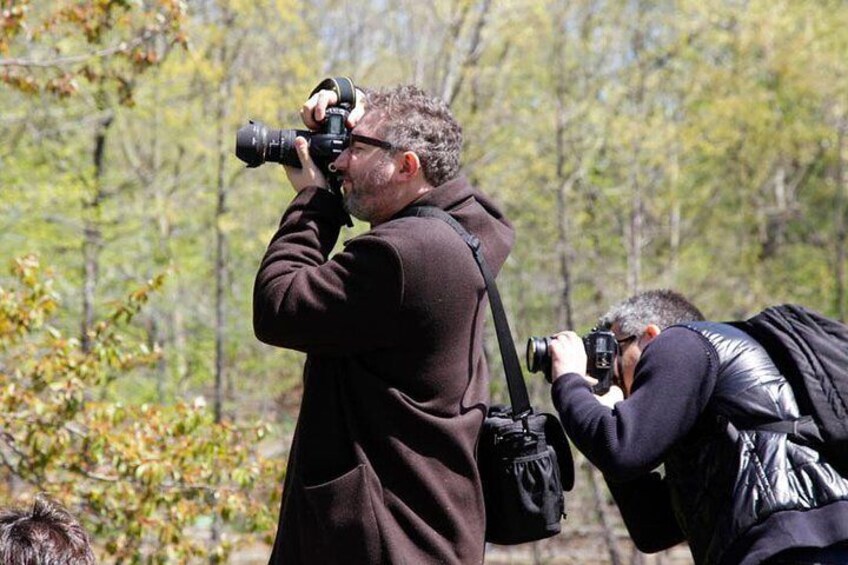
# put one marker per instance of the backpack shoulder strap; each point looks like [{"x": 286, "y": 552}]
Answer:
[{"x": 803, "y": 430}]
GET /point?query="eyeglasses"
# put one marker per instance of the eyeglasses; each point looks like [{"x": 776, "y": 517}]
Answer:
[
  {"x": 373, "y": 142},
  {"x": 624, "y": 341},
  {"x": 618, "y": 374}
]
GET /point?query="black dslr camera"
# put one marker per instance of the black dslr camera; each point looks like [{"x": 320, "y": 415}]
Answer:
[
  {"x": 601, "y": 350},
  {"x": 256, "y": 143}
]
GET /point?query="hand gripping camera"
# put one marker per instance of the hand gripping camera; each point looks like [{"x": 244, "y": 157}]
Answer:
[
  {"x": 601, "y": 352},
  {"x": 256, "y": 143}
]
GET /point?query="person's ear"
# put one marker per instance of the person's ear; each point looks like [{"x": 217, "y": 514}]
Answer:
[
  {"x": 651, "y": 331},
  {"x": 410, "y": 165}
]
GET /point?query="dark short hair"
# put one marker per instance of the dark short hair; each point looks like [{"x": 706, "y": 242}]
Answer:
[
  {"x": 46, "y": 534},
  {"x": 662, "y": 307},
  {"x": 412, "y": 120}
]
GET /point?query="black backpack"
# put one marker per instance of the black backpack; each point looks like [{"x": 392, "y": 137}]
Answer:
[{"x": 811, "y": 351}]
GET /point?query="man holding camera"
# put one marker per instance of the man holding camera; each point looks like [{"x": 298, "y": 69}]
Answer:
[
  {"x": 682, "y": 453},
  {"x": 382, "y": 467}
]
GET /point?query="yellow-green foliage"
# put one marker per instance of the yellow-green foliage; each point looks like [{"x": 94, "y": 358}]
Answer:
[
  {"x": 142, "y": 478},
  {"x": 696, "y": 144}
]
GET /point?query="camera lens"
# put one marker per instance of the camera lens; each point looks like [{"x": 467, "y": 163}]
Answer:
[
  {"x": 538, "y": 354},
  {"x": 252, "y": 143},
  {"x": 257, "y": 144}
]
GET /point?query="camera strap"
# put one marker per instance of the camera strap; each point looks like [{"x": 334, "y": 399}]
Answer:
[
  {"x": 514, "y": 379},
  {"x": 342, "y": 86}
]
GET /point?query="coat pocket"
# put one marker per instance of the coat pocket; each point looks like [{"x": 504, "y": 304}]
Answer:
[{"x": 344, "y": 523}]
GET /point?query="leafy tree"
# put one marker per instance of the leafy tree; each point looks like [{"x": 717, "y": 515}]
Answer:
[
  {"x": 51, "y": 47},
  {"x": 144, "y": 478}
]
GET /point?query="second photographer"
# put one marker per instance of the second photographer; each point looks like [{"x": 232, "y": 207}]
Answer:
[{"x": 685, "y": 454}]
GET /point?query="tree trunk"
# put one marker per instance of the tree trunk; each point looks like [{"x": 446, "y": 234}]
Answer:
[
  {"x": 163, "y": 223},
  {"x": 637, "y": 207},
  {"x": 92, "y": 230},
  {"x": 602, "y": 512},
  {"x": 674, "y": 242},
  {"x": 455, "y": 73},
  {"x": 674, "y": 216},
  {"x": 180, "y": 343},
  {"x": 223, "y": 101},
  {"x": 154, "y": 342},
  {"x": 565, "y": 253},
  {"x": 637, "y": 221},
  {"x": 777, "y": 216},
  {"x": 220, "y": 235},
  {"x": 840, "y": 220}
]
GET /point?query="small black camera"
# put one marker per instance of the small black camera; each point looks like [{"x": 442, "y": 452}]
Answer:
[{"x": 601, "y": 352}]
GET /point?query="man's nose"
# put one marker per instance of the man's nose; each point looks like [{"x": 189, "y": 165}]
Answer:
[{"x": 340, "y": 164}]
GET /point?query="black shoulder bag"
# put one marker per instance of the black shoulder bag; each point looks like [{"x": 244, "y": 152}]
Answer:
[{"x": 523, "y": 457}]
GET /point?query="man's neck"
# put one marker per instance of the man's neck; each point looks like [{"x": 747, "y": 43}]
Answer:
[{"x": 408, "y": 194}]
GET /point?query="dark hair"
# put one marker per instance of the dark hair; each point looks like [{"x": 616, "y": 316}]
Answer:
[
  {"x": 414, "y": 121},
  {"x": 45, "y": 535},
  {"x": 661, "y": 307}
]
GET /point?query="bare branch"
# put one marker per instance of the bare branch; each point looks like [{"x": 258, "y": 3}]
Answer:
[
  {"x": 474, "y": 52},
  {"x": 122, "y": 47}
]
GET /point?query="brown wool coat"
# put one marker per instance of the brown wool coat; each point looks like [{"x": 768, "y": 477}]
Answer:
[{"x": 382, "y": 467}]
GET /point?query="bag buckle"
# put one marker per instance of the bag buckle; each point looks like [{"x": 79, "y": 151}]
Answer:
[{"x": 525, "y": 423}]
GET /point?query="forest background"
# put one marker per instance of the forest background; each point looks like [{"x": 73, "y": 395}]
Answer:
[{"x": 692, "y": 144}]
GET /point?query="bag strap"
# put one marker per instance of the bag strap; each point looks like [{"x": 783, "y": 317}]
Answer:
[
  {"x": 515, "y": 381},
  {"x": 803, "y": 429}
]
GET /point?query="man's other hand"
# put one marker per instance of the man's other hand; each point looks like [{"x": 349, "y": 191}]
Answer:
[
  {"x": 310, "y": 174},
  {"x": 613, "y": 395},
  {"x": 314, "y": 110}
]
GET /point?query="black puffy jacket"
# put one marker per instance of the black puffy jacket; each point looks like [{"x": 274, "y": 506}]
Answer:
[{"x": 725, "y": 476}]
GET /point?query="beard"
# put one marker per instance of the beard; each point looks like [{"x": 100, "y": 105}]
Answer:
[{"x": 363, "y": 195}]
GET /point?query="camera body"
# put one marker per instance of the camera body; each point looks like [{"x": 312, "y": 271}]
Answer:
[
  {"x": 601, "y": 352},
  {"x": 257, "y": 144}
]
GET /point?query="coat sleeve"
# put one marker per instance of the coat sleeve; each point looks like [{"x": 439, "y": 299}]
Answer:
[
  {"x": 303, "y": 300},
  {"x": 674, "y": 380},
  {"x": 645, "y": 507}
]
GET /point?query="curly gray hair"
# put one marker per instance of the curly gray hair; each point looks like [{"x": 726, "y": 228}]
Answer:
[{"x": 414, "y": 121}]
